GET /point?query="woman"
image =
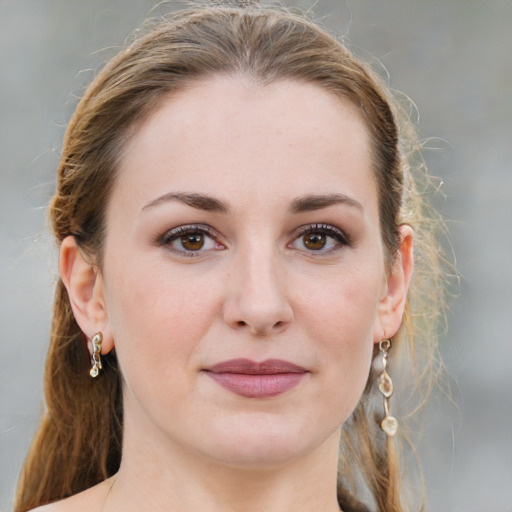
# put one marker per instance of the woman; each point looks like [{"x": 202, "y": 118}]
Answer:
[{"x": 236, "y": 213}]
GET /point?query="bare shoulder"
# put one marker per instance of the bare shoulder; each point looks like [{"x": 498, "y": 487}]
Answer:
[
  {"x": 52, "y": 507},
  {"x": 91, "y": 499}
]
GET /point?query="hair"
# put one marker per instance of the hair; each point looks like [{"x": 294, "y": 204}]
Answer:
[{"x": 79, "y": 441}]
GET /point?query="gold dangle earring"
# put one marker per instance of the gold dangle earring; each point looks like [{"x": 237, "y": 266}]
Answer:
[
  {"x": 96, "y": 355},
  {"x": 389, "y": 424}
]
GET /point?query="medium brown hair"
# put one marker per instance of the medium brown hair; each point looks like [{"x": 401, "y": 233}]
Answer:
[{"x": 79, "y": 441}]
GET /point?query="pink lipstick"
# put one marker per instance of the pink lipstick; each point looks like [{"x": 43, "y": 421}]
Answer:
[{"x": 250, "y": 379}]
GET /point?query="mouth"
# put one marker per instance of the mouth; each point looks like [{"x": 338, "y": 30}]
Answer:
[{"x": 251, "y": 379}]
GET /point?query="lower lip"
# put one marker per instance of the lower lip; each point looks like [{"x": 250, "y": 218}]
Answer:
[{"x": 257, "y": 386}]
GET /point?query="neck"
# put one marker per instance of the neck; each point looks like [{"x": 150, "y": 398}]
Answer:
[{"x": 157, "y": 475}]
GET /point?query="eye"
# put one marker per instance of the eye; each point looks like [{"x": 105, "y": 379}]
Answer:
[
  {"x": 191, "y": 240},
  {"x": 319, "y": 238}
]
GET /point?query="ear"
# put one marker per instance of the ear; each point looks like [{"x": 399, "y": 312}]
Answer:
[
  {"x": 391, "y": 307},
  {"x": 85, "y": 287}
]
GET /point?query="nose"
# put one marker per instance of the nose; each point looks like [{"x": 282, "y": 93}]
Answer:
[{"x": 258, "y": 301}]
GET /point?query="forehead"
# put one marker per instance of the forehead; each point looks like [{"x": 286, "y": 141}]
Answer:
[{"x": 228, "y": 136}]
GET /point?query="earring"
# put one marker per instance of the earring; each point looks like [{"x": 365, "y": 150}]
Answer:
[
  {"x": 389, "y": 424},
  {"x": 95, "y": 356}
]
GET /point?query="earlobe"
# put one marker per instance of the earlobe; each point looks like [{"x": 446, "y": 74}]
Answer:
[
  {"x": 392, "y": 304},
  {"x": 84, "y": 285}
]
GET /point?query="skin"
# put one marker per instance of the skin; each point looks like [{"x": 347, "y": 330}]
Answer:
[{"x": 255, "y": 290}]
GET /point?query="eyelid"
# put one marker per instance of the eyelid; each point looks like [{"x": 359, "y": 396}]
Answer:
[
  {"x": 328, "y": 229},
  {"x": 187, "y": 228},
  {"x": 172, "y": 234},
  {"x": 322, "y": 227}
]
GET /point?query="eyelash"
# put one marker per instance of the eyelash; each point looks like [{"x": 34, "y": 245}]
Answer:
[
  {"x": 193, "y": 229},
  {"x": 329, "y": 231},
  {"x": 175, "y": 234}
]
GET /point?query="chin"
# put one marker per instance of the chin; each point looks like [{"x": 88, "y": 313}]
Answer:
[
  {"x": 258, "y": 455},
  {"x": 262, "y": 444}
]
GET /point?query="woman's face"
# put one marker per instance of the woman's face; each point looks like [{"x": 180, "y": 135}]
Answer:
[{"x": 244, "y": 276}]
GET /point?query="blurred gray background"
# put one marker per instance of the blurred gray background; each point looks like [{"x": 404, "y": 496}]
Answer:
[{"x": 452, "y": 57}]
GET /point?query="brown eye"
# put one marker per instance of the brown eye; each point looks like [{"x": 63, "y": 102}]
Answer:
[
  {"x": 192, "y": 241},
  {"x": 320, "y": 238},
  {"x": 315, "y": 241}
]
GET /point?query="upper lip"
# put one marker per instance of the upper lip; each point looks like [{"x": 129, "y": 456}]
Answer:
[{"x": 248, "y": 367}]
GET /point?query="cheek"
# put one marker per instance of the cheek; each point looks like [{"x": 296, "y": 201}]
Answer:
[
  {"x": 157, "y": 320},
  {"x": 343, "y": 306},
  {"x": 343, "y": 313}
]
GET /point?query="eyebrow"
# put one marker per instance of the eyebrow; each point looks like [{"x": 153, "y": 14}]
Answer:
[
  {"x": 199, "y": 201},
  {"x": 212, "y": 204},
  {"x": 317, "y": 202}
]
